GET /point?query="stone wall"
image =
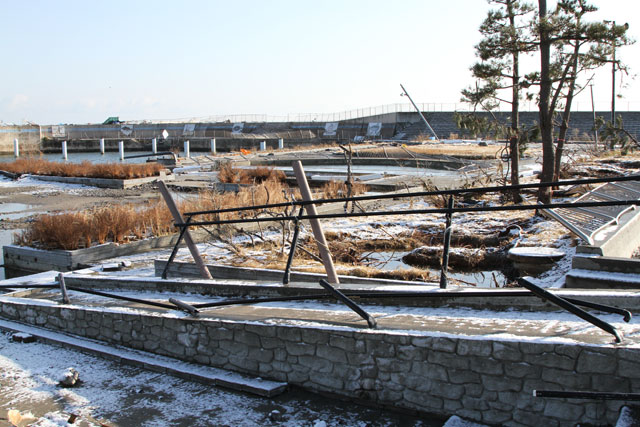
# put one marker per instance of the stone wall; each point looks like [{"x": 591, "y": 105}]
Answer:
[{"x": 488, "y": 381}]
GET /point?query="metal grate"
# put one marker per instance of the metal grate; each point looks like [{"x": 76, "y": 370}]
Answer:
[{"x": 586, "y": 222}]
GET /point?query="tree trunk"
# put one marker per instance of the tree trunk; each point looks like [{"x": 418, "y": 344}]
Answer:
[
  {"x": 546, "y": 114},
  {"x": 566, "y": 115},
  {"x": 514, "y": 140}
]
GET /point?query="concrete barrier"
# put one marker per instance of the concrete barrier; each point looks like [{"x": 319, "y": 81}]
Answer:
[{"x": 485, "y": 380}]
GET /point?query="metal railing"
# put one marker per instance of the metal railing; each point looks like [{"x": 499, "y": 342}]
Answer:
[
  {"x": 449, "y": 211},
  {"x": 356, "y": 113}
]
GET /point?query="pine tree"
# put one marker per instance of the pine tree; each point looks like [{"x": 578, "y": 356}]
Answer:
[{"x": 506, "y": 37}]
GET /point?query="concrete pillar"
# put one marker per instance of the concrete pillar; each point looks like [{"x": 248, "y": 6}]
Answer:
[
  {"x": 64, "y": 150},
  {"x": 187, "y": 154},
  {"x": 16, "y": 148},
  {"x": 154, "y": 145},
  {"x": 102, "y": 146},
  {"x": 121, "y": 150},
  {"x": 280, "y": 143},
  {"x": 213, "y": 145},
  {"x": 263, "y": 145}
]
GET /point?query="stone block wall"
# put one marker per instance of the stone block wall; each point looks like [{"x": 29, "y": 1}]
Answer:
[{"x": 488, "y": 381}]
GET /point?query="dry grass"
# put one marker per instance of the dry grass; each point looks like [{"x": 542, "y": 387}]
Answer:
[
  {"x": 122, "y": 223},
  {"x": 232, "y": 175},
  {"x": 39, "y": 166},
  {"x": 336, "y": 189}
]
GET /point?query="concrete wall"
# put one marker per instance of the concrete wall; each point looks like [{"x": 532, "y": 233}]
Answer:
[
  {"x": 139, "y": 135},
  {"x": 488, "y": 381},
  {"x": 28, "y": 138}
]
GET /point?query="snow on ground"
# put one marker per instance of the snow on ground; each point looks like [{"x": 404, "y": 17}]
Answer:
[
  {"x": 123, "y": 395},
  {"x": 44, "y": 187}
]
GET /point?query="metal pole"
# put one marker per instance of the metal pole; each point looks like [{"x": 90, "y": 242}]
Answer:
[
  {"x": 102, "y": 146},
  {"x": 292, "y": 250},
  {"x": 16, "y": 148},
  {"x": 204, "y": 271},
  {"x": 561, "y": 302},
  {"x": 419, "y": 112},
  {"x": 447, "y": 243},
  {"x": 352, "y": 305},
  {"x": 590, "y": 395},
  {"x": 121, "y": 150},
  {"x": 63, "y": 289},
  {"x": 64, "y": 150},
  {"x": 318, "y": 233}
]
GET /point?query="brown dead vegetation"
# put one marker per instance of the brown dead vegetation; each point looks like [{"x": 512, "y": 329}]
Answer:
[
  {"x": 122, "y": 223},
  {"x": 39, "y": 166},
  {"x": 232, "y": 175},
  {"x": 460, "y": 258},
  {"x": 336, "y": 189}
]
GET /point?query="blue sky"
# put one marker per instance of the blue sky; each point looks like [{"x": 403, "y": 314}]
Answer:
[{"x": 82, "y": 61}]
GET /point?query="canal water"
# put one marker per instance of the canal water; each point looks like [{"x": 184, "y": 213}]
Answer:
[{"x": 109, "y": 157}]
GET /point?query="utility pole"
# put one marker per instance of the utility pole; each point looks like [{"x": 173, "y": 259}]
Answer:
[{"x": 418, "y": 110}]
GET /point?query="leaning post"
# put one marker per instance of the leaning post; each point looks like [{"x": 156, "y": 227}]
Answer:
[
  {"x": 171, "y": 204},
  {"x": 318, "y": 233}
]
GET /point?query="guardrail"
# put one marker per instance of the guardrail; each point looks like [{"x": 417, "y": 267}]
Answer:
[{"x": 449, "y": 211}]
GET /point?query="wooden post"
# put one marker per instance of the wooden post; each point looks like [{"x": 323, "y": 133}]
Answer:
[
  {"x": 63, "y": 289},
  {"x": 204, "y": 271},
  {"x": 318, "y": 233}
]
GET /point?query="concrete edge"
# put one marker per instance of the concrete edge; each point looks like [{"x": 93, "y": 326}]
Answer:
[{"x": 148, "y": 361}]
